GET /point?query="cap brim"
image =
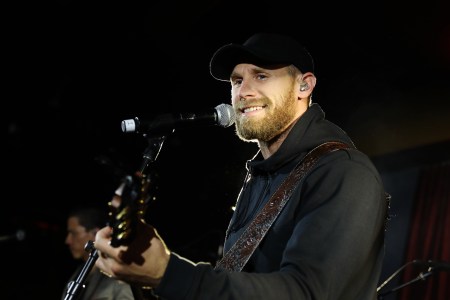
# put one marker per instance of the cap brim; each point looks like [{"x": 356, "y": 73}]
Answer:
[{"x": 226, "y": 58}]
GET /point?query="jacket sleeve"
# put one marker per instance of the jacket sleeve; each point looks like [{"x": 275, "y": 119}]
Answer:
[{"x": 334, "y": 251}]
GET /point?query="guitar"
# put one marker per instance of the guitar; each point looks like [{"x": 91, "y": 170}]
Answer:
[
  {"x": 126, "y": 216},
  {"x": 127, "y": 210},
  {"x": 128, "y": 207}
]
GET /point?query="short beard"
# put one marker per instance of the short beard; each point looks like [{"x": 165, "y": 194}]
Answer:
[{"x": 272, "y": 125}]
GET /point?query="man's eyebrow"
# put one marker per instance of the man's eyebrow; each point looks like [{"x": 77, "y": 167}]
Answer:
[
  {"x": 234, "y": 74},
  {"x": 254, "y": 70}
]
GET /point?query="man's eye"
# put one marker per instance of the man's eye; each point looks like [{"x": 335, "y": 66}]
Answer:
[
  {"x": 261, "y": 76},
  {"x": 237, "y": 81}
]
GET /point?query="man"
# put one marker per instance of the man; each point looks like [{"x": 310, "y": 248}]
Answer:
[
  {"x": 82, "y": 225},
  {"x": 328, "y": 240}
]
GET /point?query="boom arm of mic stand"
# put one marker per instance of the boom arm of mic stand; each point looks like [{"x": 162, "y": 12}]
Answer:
[
  {"x": 422, "y": 276},
  {"x": 77, "y": 286}
]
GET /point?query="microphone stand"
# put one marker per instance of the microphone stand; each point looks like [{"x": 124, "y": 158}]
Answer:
[
  {"x": 76, "y": 286},
  {"x": 421, "y": 276}
]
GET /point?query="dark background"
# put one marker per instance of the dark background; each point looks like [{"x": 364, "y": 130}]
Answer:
[{"x": 73, "y": 70}]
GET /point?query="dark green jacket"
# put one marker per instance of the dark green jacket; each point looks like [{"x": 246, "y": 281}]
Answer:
[{"x": 327, "y": 243}]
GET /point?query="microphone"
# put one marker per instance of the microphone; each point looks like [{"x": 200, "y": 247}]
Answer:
[
  {"x": 222, "y": 115},
  {"x": 19, "y": 235},
  {"x": 434, "y": 265}
]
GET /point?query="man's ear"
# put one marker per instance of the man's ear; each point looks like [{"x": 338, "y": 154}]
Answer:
[
  {"x": 304, "y": 86},
  {"x": 307, "y": 82}
]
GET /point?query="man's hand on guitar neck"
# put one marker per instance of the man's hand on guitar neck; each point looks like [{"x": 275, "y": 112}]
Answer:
[{"x": 143, "y": 262}]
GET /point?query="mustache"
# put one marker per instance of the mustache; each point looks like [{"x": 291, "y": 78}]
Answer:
[{"x": 239, "y": 107}]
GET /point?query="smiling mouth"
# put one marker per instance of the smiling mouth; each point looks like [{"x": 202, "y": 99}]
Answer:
[{"x": 251, "y": 109}]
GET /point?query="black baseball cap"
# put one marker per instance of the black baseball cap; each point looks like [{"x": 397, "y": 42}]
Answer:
[{"x": 260, "y": 49}]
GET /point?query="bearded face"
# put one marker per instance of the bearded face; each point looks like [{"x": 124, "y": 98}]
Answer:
[{"x": 278, "y": 114}]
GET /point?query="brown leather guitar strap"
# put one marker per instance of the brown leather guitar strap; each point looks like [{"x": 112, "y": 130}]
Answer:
[{"x": 238, "y": 255}]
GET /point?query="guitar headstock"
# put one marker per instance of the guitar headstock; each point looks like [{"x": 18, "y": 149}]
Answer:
[{"x": 128, "y": 207}]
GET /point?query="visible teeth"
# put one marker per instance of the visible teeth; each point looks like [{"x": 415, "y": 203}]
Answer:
[{"x": 249, "y": 109}]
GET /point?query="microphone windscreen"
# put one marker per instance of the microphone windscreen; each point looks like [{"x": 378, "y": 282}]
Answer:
[{"x": 225, "y": 115}]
